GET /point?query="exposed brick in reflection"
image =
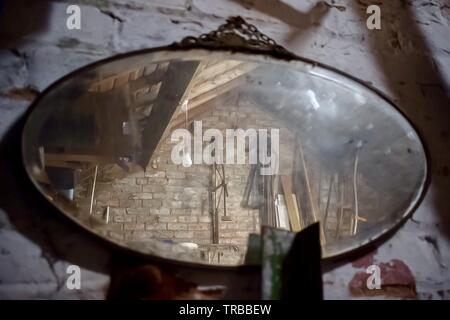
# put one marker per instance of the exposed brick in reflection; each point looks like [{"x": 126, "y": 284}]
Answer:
[{"x": 396, "y": 281}]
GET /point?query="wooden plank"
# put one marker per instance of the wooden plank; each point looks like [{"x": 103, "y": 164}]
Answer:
[
  {"x": 198, "y": 105},
  {"x": 310, "y": 191},
  {"x": 215, "y": 70},
  {"x": 220, "y": 79},
  {"x": 297, "y": 209},
  {"x": 64, "y": 164},
  {"x": 288, "y": 196},
  {"x": 282, "y": 216},
  {"x": 67, "y": 157},
  {"x": 215, "y": 90},
  {"x": 117, "y": 80},
  {"x": 148, "y": 80},
  {"x": 41, "y": 177},
  {"x": 173, "y": 89}
]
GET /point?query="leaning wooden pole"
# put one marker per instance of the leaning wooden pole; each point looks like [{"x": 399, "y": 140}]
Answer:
[
  {"x": 355, "y": 193},
  {"x": 93, "y": 190},
  {"x": 314, "y": 209}
]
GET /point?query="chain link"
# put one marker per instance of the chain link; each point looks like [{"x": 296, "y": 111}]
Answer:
[{"x": 236, "y": 32}]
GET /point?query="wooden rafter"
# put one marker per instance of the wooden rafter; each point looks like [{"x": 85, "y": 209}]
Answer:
[
  {"x": 219, "y": 79},
  {"x": 176, "y": 83},
  {"x": 211, "y": 83},
  {"x": 198, "y": 104},
  {"x": 157, "y": 90},
  {"x": 56, "y": 159}
]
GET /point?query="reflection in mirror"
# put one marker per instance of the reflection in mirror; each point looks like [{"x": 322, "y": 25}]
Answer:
[{"x": 183, "y": 155}]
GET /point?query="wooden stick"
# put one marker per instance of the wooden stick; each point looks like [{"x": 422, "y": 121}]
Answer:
[
  {"x": 319, "y": 190},
  {"x": 216, "y": 214},
  {"x": 289, "y": 199},
  {"x": 297, "y": 209},
  {"x": 314, "y": 208},
  {"x": 308, "y": 185},
  {"x": 93, "y": 189},
  {"x": 341, "y": 207},
  {"x": 107, "y": 214},
  {"x": 325, "y": 218},
  {"x": 355, "y": 193}
]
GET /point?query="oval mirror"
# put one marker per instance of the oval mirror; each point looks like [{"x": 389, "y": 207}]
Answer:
[{"x": 183, "y": 153}]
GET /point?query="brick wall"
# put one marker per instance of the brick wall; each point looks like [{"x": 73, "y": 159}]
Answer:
[{"x": 171, "y": 202}]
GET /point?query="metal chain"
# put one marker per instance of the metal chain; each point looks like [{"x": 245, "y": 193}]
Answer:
[{"x": 236, "y": 32}]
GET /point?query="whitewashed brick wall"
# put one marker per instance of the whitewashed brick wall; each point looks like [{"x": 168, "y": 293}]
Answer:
[{"x": 409, "y": 59}]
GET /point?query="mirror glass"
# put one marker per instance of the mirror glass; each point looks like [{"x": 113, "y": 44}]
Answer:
[{"x": 183, "y": 154}]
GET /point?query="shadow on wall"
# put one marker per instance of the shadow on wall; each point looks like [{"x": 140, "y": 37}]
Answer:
[
  {"x": 419, "y": 89},
  {"x": 301, "y": 21},
  {"x": 22, "y": 209},
  {"x": 425, "y": 101},
  {"x": 21, "y": 18},
  {"x": 33, "y": 217}
]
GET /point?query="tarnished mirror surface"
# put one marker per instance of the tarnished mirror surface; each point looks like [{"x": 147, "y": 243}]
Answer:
[{"x": 126, "y": 149}]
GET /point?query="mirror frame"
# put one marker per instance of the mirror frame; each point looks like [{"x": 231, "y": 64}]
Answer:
[{"x": 273, "y": 55}]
